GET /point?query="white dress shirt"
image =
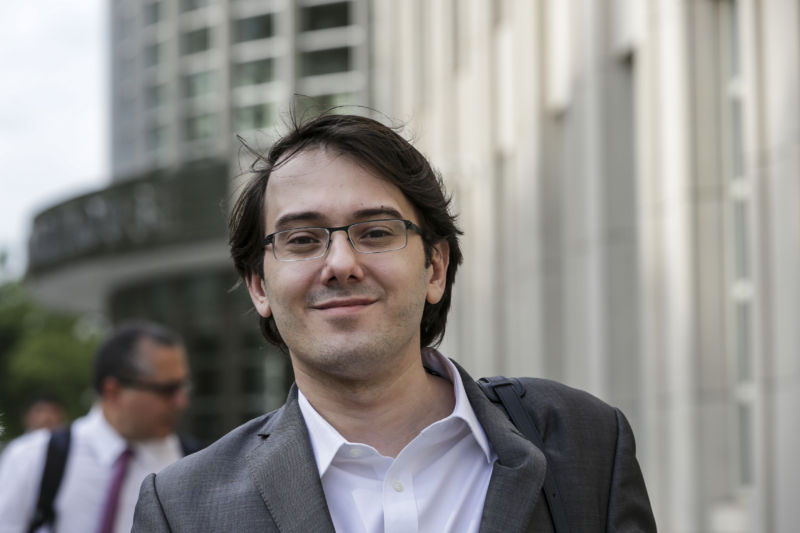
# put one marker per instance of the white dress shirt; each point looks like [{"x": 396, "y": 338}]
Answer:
[
  {"x": 87, "y": 474},
  {"x": 436, "y": 483}
]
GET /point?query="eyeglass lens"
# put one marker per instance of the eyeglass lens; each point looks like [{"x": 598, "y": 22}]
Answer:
[{"x": 369, "y": 237}]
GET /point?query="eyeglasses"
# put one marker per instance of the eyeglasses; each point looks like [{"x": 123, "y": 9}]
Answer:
[
  {"x": 167, "y": 390},
  {"x": 370, "y": 237}
]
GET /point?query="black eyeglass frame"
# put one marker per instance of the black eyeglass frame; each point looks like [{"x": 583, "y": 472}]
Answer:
[{"x": 270, "y": 239}]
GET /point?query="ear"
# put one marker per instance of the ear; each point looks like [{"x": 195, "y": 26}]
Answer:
[
  {"x": 440, "y": 258},
  {"x": 110, "y": 389},
  {"x": 258, "y": 294}
]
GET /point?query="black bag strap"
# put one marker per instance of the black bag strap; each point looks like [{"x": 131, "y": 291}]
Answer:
[
  {"x": 189, "y": 444},
  {"x": 56, "y": 460},
  {"x": 508, "y": 391}
]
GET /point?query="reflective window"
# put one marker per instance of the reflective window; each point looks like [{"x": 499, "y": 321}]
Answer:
[
  {"x": 255, "y": 116},
  {"x": 325, "y": 16},
  {"x": 156, "y": 138},
  {"x": 252, "y": 28},
  {"x": 325, "y": 61},
  {"x": 736, "y": 141},
  {"x": 199, "y": 127},
  {"x": 121, "y": 25},
  {"x": 252, "y": 379},
  {"x": 744, "y": 359},
  {"x": 198, "y": 84},
  {"x": 741, "y": 321},
  {"x": 152, "y": 12},
  {"x": 152, "y": 55},
  {"x": 254, "y": 72},
  {"x": 191, "y": 5},
  {"x": 204, "y": 345},
  {"x": 327, "y": 101},
  {"x": 196, "y": 41},
  {"x": 731, "y": 21},
  {"x": 155, "y": 95},
  {"x": 746, "y": 451},
  {"x": 741, "y": 249},
  {"x": 206, "y": 382}
]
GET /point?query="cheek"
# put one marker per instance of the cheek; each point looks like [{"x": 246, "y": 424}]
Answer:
[
  {"x": 144, "y": 407},
  {"x": 285, "y": 285},
  {"x": 135, "y": 406},
  {"x": 406, "y": 285},
  {"x": 411, "y": 274},
  {"x": 127, "y": 400}
]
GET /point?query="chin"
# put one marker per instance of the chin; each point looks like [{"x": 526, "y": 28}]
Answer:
[{"x": 360, "y": 359}]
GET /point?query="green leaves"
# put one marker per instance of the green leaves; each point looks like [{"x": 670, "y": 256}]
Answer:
[{"x": 42, "y": 351}]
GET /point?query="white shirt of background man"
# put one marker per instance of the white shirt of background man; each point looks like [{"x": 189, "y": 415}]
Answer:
[{"x": 87, "y": 474}]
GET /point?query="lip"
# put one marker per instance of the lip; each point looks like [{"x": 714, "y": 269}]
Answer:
[{"x": 343, "y": 304}]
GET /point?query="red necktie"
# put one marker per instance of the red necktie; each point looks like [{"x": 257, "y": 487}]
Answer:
[{"x": 114, "y": 489}]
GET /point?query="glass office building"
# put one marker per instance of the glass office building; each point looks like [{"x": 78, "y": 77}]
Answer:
[{"x": 188, "y": 77}]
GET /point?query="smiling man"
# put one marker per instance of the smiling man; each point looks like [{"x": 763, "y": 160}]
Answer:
[{"x": 348, "y": 249}]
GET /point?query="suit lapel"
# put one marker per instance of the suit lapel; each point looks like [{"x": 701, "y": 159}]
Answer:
[
  {"x": 284, "y": 470},
  {"x": 518, "y": 475}
]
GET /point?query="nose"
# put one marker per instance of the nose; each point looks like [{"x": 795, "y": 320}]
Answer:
[{"x": 342, "y": 261}]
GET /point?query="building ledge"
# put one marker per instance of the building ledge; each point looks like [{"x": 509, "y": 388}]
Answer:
[{"x": 144, "y": 226}]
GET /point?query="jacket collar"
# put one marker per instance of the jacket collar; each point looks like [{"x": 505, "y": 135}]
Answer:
[
  {"x": 518, "y": 475},
  {"x": 283, "y": 469},
  {"x": 285, "y": 459}
]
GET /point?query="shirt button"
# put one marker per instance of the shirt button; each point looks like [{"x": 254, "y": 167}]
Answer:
[
  {"x": 397, "y": 486},
  {"x": 355, "y": 452}
]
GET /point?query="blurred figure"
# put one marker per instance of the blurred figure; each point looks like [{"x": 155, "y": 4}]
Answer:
[
  {"x": 44, "y": 412},
  {"x": 141, "y": 377}
]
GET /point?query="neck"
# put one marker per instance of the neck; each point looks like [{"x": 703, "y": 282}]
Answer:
[
  {"x": 111, "y": 417},
  {"x": 385, "y": 412}
]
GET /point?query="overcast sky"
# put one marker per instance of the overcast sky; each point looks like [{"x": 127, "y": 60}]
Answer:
[{"x": 53, "y": 111}]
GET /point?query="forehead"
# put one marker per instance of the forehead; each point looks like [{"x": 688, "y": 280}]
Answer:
[
  {"x": 159, "y": 360},
  {"x": 324, "y": 186}
]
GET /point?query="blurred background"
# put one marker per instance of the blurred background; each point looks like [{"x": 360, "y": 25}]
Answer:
[{"x": 627, "y": 173}]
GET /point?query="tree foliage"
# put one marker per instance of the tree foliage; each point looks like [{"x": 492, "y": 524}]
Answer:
[{"x": 42, "y": 352}]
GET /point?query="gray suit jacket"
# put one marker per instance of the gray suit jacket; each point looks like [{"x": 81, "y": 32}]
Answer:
[{"x": 262, "y": 477}]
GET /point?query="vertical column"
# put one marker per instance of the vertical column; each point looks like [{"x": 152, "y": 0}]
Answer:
[
  {"x": 778, "y": 160},
  {"x": 676, "y": 279}
]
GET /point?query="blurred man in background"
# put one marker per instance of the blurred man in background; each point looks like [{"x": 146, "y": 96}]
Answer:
[
  {"x": 86, "y": 477},
  {"x": 44, "y": 412}
]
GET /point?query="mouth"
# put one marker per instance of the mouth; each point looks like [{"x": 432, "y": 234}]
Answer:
[{"x": 343, "y": 304}]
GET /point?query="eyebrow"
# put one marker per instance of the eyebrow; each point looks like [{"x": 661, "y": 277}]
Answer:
[
  {"x": 289, "y": 219},
  {"x": 315, "y": 217}
]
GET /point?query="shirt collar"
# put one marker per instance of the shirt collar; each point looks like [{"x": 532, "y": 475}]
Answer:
[
  {"x": 434, "y": 360},
  {"x": 106, "y": 443},
  {"x": 326, "y": 440}
]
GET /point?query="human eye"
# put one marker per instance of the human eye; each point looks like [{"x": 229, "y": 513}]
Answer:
[
  {"x": 302, "y": 239},
  {"x": 378, "y": 230},
  {"x": 377, "y": 234}
]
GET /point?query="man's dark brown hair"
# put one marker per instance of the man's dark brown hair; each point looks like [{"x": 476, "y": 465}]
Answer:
[{"x": 385, "y": 153}]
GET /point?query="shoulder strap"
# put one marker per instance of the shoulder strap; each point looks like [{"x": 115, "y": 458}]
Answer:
[
  {"x": 56, "y": 460},
  {"x": 508, "y": 392},
  {"x": 189, "y": 445}
]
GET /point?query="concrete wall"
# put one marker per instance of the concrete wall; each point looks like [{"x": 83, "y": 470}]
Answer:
[{"x": 610, "y": 195}]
